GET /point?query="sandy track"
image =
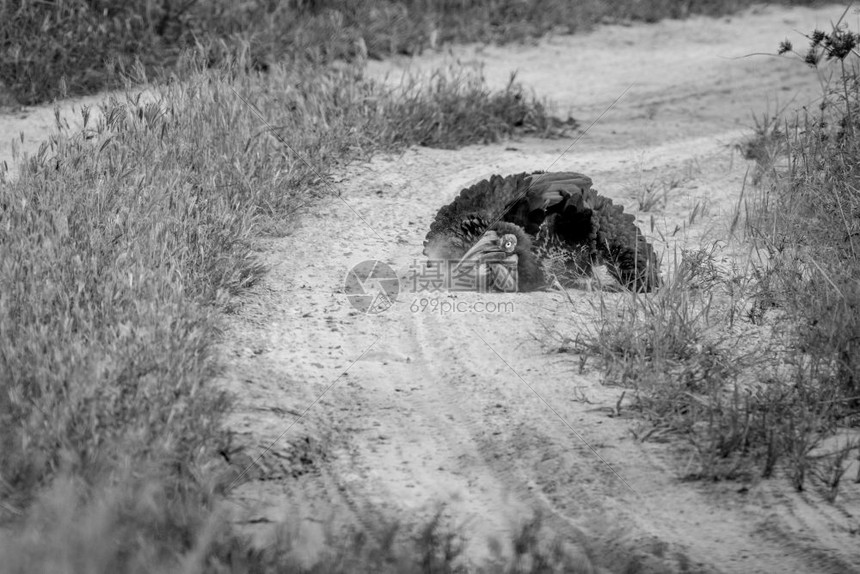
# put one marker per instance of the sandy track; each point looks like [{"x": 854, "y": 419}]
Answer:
[
  {"x": 439, "y": 409},
  {"x": 368, "y": 419}
]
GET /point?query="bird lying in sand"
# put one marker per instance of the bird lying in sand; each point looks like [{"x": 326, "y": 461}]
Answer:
[{"x": 522, "y": 231}]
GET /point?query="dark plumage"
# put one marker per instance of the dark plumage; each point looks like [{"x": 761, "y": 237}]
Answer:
[{"x": 554, "y": 217}]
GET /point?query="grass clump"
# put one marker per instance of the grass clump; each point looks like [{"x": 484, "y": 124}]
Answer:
[
  {"x": 454, "y": 107},
  {"x": 808, "y": 222},
  {"x": 68, "y": 531},
  {"x": 756, "y": 366},
  {"x": 742, "y": 401},
  {"x": 123, "y": 244},
  {"x": 673, "y": 350}
]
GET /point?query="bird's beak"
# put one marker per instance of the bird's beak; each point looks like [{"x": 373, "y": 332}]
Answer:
[
  {"x": 487, "y": 249},
  {"x": 491, "y": 262}
]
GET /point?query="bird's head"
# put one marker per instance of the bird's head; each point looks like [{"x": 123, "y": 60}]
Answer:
[{"x": 502, "y": 259}]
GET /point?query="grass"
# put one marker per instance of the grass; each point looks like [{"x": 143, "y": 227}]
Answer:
[
  {"x": 79, "y": 46},
  {"x": 461, "y": 110},
  {"x": 115, "y": 535},
  {"x": 755, "y": 364},
  {"x": 705, "y": 367},
  {"x": 124, "y": 244},
  {"x": 655, "y": 194},
  {"x": 807, "y": 225}
]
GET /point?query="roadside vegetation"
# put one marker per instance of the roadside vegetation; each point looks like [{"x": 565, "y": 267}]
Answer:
[
  {"x": 750, "y": 354},
  {"x": 71, "y": 47},
  {"x": 123, "y": 245}
]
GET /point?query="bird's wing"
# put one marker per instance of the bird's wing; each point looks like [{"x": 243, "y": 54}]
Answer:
[
  {"x": 545, "y": 194},
  {"x": 485, "y": 201},
  {"x": 621, "y": 245},
  {"x": 524, "y": 199}
]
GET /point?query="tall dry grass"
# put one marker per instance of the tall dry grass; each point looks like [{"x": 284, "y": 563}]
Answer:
[{"x": 755, "y": 364}]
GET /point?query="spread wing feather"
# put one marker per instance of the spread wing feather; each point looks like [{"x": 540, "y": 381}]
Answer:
[{"x": 560, "y": 206}]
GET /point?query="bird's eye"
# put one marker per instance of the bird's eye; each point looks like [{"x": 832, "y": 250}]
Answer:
[{"x": 509, "y": 242}]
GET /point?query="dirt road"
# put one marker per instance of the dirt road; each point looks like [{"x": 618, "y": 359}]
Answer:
[
  {"x": 419, "y": 408},
  {"x": 366, "y": 419}
]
